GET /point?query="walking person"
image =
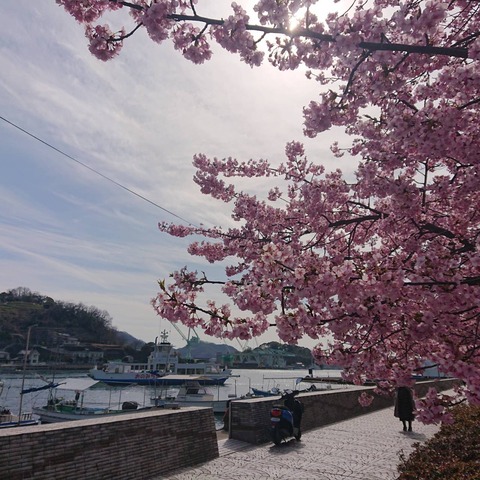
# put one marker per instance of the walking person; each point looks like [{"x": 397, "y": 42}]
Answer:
[{"x": 404, "y": 407}]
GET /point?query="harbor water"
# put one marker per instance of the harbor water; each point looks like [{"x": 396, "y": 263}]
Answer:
[{"x": 102, "y": 395}]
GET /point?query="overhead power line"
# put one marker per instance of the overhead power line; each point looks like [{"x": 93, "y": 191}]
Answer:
[{"x": 61, "y": 152}]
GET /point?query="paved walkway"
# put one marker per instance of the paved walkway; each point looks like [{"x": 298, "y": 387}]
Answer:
[{"x": 364, "y": 448}]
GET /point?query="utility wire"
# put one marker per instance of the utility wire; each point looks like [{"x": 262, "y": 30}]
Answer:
[{"x": 96, "y": 171}]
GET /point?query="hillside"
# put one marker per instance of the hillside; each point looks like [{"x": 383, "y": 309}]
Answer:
[
  {"x": 21, "y": 308},
  {"x": 71, "y": 327}
]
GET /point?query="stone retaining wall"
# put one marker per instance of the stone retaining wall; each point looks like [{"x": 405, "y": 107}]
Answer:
[
  {"x": 132, "y": 446},
  {"x": 250, "y": 419}
]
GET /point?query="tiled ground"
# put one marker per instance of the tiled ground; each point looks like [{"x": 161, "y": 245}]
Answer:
[{"x": 364, "y": 448}]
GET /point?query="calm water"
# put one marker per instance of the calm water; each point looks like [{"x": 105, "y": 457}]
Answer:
[{"x": 102, "y": 395}]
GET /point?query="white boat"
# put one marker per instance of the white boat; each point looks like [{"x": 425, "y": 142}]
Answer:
[
  {"x": 8, "y": 419},
  {"x": 62, "y": 410},
  {"x": 192, "y": 394},
  {"x": 162, "y": 368}
]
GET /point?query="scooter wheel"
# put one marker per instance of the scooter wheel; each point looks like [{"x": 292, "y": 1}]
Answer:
[
  {"x": 277, "y": 438},
  {"x": 298, "y": 436}
]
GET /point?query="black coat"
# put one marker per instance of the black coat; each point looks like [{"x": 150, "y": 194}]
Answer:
[{"x": 404, "y": 404}]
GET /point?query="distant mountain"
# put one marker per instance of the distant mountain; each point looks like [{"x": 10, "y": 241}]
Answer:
[
  {"x": 127, "y": 339},
  {"x": 301, "y": 354},
  {"x": 204, "y": 350},
  {"x": 198, "y": 349}
]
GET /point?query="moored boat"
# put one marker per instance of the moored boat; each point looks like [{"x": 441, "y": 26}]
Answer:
[
  {"x": 163, "y": 367},
  {"x": 62, "y": 410},
  {"x": 266, "y": 393},
  {"x": 193, "y": 394},
  {"x": 8, "y": 419}
]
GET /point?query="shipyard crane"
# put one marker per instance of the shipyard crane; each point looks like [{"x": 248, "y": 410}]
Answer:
[{"x": 191, "y": 340}]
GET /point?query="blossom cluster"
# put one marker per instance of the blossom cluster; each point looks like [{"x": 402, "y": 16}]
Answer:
[
  {"x": 100, "y": 44},
  {"x": 88, "y": 11},
  {"x": 234, "y": 37}
]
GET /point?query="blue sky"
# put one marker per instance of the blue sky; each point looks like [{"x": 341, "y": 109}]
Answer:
[{"x": 70, "y": 234}]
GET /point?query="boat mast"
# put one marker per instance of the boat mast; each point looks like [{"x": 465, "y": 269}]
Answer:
[{"x": 25, "y": 357}]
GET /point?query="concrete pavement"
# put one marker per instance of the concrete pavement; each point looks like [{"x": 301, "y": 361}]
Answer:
[{"x": 362, "y": 448}]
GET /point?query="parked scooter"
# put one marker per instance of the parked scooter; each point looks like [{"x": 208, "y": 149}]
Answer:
[{"x": 286, "y": 418}]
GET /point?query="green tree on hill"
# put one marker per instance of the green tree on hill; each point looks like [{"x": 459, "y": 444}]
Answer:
[{"x": 21, "y": 308}]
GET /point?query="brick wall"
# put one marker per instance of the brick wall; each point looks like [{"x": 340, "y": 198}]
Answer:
[
  {"x": 147, "y": 445},
  {"x": 133, "y": 446},
  {"x": 250, "y": 419}
]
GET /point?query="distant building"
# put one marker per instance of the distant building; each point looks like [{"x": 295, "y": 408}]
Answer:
[
  {"x": 66, "y": 339},
  {"x": 83, "y": 354},
  {"x": 79, "y": 354},
  {"x": 33, "y": 356},
  {"x": 4, "y": 357},
  {"x": 110, "y": 352}
]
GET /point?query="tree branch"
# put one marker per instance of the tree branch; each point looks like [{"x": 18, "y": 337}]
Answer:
[
  {"x": 430, "y": 227},
  {"x": 366, "y": 218},
  {"x": 363, "y": 57},
  {"x": 128, "y": 4},
  {"x": 454, "y": 51},
  {"x": 458, "y": 52},
  {"x": 468, "y": 104}
]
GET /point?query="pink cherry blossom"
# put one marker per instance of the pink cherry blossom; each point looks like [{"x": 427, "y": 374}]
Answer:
[
  {"x": 194, "y": 47},
  {"x": 234, "y": 37},
  {"x": 156, "y": 20},
  {"x": 102, "y": 42},
  {"x": 87, "y": 11},
  {"x": 365, "y": 399}
]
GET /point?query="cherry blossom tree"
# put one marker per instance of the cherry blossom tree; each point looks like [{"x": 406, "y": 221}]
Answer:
[{"x": 387, "y": 266}]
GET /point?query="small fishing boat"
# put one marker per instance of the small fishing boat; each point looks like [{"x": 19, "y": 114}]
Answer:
[
  {"x": 265, "y": 393},
  {"x": 193, "y": 394},
  {"x": 8, "y": 419},
  {"x": 61, "y": 409}
]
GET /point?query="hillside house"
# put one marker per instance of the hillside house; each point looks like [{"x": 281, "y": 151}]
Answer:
[{"x": 33, "y": 356}]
